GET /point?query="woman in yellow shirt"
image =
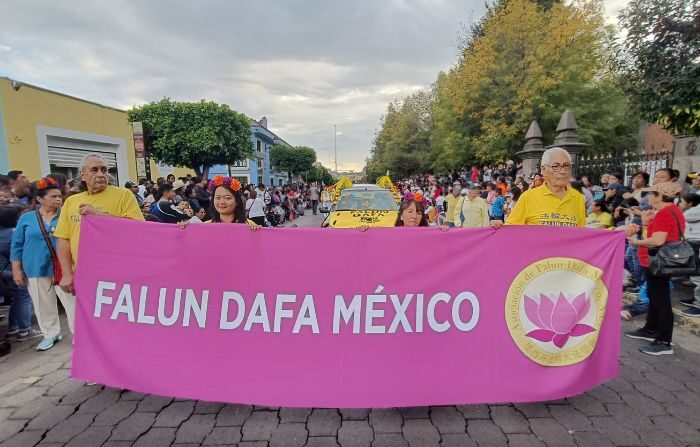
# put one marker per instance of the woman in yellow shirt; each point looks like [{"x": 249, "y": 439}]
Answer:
[{"x": 599, "y": 217}]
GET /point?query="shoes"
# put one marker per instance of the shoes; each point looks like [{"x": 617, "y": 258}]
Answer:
[
  {"x": 691, "y": 312},
  {"x": 640, "y": 334},
  {"x": 11, "y": 334},
  {"x": 626, "y": 315},
  {"x": 692, "y": 302},
  {"x": 48, "y": 342},
  {"x": 31, "y": 333},
  {"x": 657, "y": 348}
]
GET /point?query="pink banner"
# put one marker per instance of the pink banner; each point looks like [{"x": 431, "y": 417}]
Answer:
[{"x": 341, "y": 318}]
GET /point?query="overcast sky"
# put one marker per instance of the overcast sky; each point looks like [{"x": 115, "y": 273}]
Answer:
[{"x": 305, "y": 64}]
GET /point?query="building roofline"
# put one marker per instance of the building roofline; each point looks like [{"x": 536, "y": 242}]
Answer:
[
  {"x": 25, "y": 84},
  {"x": 254, "y": 122}
]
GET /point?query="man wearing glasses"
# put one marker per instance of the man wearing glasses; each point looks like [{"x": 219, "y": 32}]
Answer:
[{"x": 555, "y": 203}]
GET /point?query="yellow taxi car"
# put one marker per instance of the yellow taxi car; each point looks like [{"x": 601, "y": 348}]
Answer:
[{"x": 362, "y": 204}]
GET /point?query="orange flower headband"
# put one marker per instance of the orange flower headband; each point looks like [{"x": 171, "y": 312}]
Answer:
[
  {"x": 220, "y": 180},
  {"x": 46, "y": 183}
]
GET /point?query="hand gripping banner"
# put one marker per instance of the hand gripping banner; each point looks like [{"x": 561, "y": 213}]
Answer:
[{"x": 310, "y": 317}]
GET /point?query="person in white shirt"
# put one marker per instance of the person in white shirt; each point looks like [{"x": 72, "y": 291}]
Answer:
[{"x": 255, "y": 206}]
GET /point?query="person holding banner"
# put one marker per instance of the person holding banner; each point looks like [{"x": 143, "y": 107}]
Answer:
[
  {"x": 555, "y": 203},
  {"x": 100, "y": 199},
  {"x": 35, "y": 265},
  {"x": 228, "y": 202},
  {"x": 412, "y": 213}
]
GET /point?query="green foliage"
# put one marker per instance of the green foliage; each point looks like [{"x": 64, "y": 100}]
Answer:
[
  {"x": 293, "y": 159},
  {"x": 194, "y": 135},
  {"x": 662, "y": 55},
  {"x": 525, "y": 60},
  {"x": 320, "y": 174}
]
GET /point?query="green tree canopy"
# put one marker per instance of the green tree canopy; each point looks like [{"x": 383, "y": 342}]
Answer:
[
  {"x": 662, "y": 58},
  {"x": 525, "y": 60},
  {"x": 195, "y": 135},
  {"x": 293, "y": 159}
]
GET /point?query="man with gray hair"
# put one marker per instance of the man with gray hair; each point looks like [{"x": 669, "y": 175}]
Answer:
[
  {"x": 100, "y": 199},
  {"x": 555, "y": 203}
]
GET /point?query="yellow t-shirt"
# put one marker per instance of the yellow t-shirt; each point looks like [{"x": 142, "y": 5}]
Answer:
[
  {"x": 602, "y": 220},
  {"x": 451, "y": 202},
  {"x": 539, "y": 206},
  {"x": 117, "y": 202}
]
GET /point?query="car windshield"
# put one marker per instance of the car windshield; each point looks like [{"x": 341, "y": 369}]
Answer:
[{"x": 366, "y": 200}]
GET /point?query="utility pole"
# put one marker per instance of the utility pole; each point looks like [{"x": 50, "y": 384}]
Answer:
[{"x": 335, "y": 145}]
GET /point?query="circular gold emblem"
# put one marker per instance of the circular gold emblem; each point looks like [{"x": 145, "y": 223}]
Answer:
[{"x": 554, "y": 310}]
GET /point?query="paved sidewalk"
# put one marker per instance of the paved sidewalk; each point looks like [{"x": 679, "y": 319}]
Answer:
[{"x": 654, "y": 402}]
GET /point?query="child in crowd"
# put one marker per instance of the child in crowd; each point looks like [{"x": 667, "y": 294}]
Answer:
[{"x": 498, "y": 207}]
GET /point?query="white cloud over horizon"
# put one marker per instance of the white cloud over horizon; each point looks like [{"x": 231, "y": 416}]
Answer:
[{"x": 305, "y": 64}]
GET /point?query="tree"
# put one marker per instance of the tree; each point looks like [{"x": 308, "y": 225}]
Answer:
[
  {"x": 320, "y": 174},
  {"x": 195, "y": 135},
  {"x": 662, "y": 59},
  {"x": 293, "y": 159}
]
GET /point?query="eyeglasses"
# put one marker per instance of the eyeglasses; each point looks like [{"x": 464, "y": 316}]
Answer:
[{"x": 558, "y": 167}]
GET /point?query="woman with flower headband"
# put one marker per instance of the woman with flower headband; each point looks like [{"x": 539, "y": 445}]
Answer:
[
  {"x": 412, "y": 212},
  {"x": 34, "y": 262},
  {"x": 227, "y": 203}
]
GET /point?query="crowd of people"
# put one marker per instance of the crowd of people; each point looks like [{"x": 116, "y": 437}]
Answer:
[{"x": 40, "y": 224}]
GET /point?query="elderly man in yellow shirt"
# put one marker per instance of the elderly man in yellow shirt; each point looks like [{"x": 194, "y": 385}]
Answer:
[
  {"x": 474, "y": 209},
  {"x": 555, "y": 203},
  {"x": 100, "y": 199}
]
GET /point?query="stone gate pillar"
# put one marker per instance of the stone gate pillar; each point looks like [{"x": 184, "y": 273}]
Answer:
[{"x": 532, "y": 150}]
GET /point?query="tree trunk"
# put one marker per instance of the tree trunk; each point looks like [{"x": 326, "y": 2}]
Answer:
[{"x": 205, "y": 173}]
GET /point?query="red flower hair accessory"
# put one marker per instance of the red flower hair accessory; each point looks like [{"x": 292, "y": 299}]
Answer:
[
  {"x": 229, "y": 182},
  {"x": 47, "y": 182}
]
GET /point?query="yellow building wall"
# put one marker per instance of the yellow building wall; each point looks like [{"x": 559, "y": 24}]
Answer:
[{"x": 29, "y": 107}]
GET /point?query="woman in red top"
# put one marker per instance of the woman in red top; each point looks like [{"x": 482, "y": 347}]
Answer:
[{"x": 665, "y": 225}]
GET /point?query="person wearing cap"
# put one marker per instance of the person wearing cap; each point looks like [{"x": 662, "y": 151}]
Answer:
[
  {"x": 664, "y": 225},
  {"x": 694, "y": 179},
  {"x": 179, "y": 189},
  {"x": 556, "y": 202},
  {"x": 473, "y": 208},
  {"x": 134, "y": 188}
]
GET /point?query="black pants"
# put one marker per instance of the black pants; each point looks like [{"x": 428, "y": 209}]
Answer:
[
  {"x": 660, "y": 314},
  {"x": 260, "y": 220}
]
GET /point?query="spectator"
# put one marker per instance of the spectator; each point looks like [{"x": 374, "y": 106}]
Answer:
[
  {"x": 255, "y": 206},
  {"x": 170, "y": 179},
  {"x": 20, "y": 318},
  {"x": 313, "y": 197},
  {"x": 100, "y": 199},
  {"x": 168, "y": 208},
  {"x": 599, "y": 216},
  {"x": 134, "y": 188},
  {"x": 499, "y": 203},
  {"x": 20, "y": 186},
  {"x": 473, "y": 208},
  {"x": 664, "y": 226},
  {"x": 33, "y": 260},
  {"x": 691, "y": 211},
  {"x": 451, "y": 203}
]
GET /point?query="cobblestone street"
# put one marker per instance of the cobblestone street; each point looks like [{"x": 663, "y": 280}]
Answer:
[{"x": 654, "y": 402}]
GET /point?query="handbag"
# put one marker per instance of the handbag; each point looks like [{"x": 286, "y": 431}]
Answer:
[
  {"x": 677, "y": 258},
  {"x": 57, "y": 272}
]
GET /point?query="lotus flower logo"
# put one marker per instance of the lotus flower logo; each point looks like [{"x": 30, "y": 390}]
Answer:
[{"x": 557, "y": 319}]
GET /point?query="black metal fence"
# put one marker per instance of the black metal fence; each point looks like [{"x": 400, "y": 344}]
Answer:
[{"x": 626, "y": 163}]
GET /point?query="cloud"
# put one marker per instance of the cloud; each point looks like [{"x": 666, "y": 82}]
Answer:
[{"x": 305, "y": 64}]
